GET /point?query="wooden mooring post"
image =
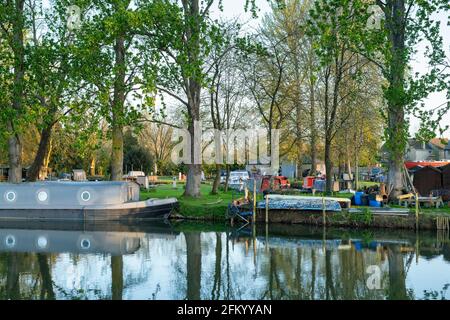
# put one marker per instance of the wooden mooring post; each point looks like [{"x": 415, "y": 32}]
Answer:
[
  {"x": 267, "y": 208},
  {"x": 417, "y": 211},
  {"x": 324, "y": 213},
  {"x": 254, "y": 201},
  {"x": 442, "y": 223}
]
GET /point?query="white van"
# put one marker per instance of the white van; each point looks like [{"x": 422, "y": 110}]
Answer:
[{"x": 235, "y": 177}]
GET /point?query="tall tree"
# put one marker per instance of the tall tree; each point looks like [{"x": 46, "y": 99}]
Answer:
[
  {"x": 184, "y": 34},
  {"x": 116, "y": 61},
  {"x": 54, "y": 84},
  {"x": 407, "y": 23},
  {"x": 331, "y": 26},
  {"x": 12, "y": 26}
]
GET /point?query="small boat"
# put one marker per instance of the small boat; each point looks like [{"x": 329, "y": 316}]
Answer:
[
  {"x": 303, "y": 203},
  {"x": 87, "y": 201}
]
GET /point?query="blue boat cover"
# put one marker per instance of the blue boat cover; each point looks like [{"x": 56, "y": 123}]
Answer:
[{"x": 307, "y": 204}]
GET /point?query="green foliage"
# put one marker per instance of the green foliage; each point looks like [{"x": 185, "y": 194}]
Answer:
[{"x": 135, "y": 156}]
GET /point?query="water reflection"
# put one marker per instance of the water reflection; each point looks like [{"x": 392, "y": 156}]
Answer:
[{"x": 192, "y": 261}]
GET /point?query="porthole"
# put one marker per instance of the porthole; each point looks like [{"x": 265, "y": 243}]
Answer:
[
  {"x": 85, "y": 244},
  {"x": 85, "y": 196},
  {"x": 10, "y": 241},
  {"x": 42, "y": 196},
  {"x": 42, "y": 242},
  {"x": 10, "y": 196}
]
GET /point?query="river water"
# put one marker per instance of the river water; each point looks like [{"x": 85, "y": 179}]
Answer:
[{"x": 213, "y": 261}]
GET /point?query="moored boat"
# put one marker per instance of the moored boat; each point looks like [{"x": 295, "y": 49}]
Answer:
[
  {"x": 80, "y": 201},
  {"x": 303, "y": 203}
]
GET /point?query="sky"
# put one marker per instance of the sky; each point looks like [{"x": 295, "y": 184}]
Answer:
[{"x": 235, "y": 8}]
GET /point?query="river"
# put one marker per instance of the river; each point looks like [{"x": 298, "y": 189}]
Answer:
[{"x": 212, "y": 261}]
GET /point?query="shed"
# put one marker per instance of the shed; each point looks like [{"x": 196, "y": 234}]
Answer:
[
  {"x": 79, "y": 175},
  {"x": 446, "y": 176},
  {"x": 427, "y": 179}
]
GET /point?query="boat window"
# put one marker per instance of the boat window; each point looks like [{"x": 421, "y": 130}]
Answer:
[
  {"x": 85, "y": 196},
  {"x": 10, "y": 241},
  {"x": 85, "y": 244},
  {"x": 10, "y": 196},
  {"x": 42, "y": 196}
]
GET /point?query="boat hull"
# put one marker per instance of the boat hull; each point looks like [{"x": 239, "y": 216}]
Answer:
[{"x": 156, "y": 211}]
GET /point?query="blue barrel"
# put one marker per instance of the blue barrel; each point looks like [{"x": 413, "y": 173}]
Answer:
[
  {"x": 358, "y": 198},
  {"x": 374, "y": 203}
]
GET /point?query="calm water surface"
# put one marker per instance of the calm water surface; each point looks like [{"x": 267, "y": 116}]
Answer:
[{"x": 196, "y": 261}]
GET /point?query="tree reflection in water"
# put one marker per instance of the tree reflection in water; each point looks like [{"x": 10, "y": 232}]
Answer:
[{"x": 290, "y": 263}]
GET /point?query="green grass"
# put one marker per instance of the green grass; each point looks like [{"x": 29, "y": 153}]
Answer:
[
  {"x": 423, "y": 210},
  {"x": 363, "y": 184},
  {"x": 207, "y": 206}
]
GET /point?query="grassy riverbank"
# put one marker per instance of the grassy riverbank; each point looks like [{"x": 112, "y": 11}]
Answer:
[
  {"x": 208, "y": 206},
  {"x": 214, "y": 207}
]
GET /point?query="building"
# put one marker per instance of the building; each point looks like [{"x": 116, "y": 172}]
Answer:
[
  {"x": 447, "y": 151},
  {"x": 4, "y": 170},
  {"x": 426, "y": 179},
  {"x": 435, "y": 150}
]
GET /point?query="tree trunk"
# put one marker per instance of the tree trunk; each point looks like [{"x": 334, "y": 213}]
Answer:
[
  {"x": 118, "y": 110},
  {"x": 328, "y": 168},
  {"x": 92, "y": 166},
  {"x": 15, "y": 139},
  {"x": 227, "y": 178},
  {"x": 39, "y": 159},
  {"x": 45, "y": 168},
  {"x": 313, "y": 134},
  {"x": 193, "y": 89},
  {"x": 193, "y": 180},
  {"x": 117, "y": 153},
  {"x": 194, "y": 265},
  {"x": 15, "y": 157},
  {"x": 216, "y": 182},
  {"x": 356, "y": 169},
  {"x": 395, "y": 94}
]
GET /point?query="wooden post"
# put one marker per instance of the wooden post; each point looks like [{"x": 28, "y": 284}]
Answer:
[
  {"x": 324, "y": 215},
  {"x": 254, "y": 244},
  {"x": 254, "y": 200},
  {"x": 417, "y": 246},
  {"x": 267, "y": 208},
  {"x": 417, "y": 211},
  {"x": 267, "y": 237}
]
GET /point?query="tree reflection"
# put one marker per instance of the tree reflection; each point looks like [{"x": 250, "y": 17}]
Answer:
[
  {"x": 193, "y": 264},
  {"x": 47, "y": 284},
  {"x": 12, "y": 278},
  {"x": 397, "y": 275},
  {"x": 116, "y": 277},
  {"x": 215, "y": 294},
  {"x": 218, "y": 266}
]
